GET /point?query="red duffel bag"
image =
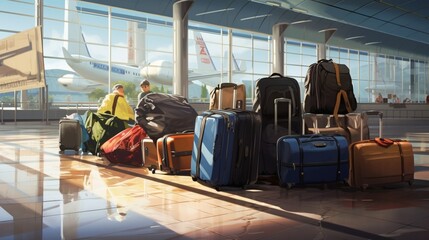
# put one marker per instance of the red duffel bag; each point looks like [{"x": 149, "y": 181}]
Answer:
[{"x": 125, "y": 147}]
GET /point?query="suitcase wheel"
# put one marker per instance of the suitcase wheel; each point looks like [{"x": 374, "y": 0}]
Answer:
[
  {"x": 62, "y": 148},
  {"x": 194, "y": 179},
  {"x": 152, "y": 168},
  {"x": 410, "y": 183}
]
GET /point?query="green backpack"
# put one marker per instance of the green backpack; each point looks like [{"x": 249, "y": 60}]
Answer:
[{"x": 101, "y": 127}]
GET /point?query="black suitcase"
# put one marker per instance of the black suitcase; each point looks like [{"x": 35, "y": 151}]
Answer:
[
  {"x": 70, "y": 135},
  {"x": 267, "y": 90}
]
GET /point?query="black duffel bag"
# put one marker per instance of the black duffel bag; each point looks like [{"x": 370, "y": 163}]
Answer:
[
  {"x": 160, "y": 114},
  {"x": 329, "y": 89}
]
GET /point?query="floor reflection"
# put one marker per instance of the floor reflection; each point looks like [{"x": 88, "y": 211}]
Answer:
[{"x": 47, "y": 195}]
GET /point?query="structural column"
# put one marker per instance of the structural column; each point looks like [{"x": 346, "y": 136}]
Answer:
[
  {"x": 278, "y": 47},
  {"x": 180, "y": 46},
  {"x": 321, "y": 47}
]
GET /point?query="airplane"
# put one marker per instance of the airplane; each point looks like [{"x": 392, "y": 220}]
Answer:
[
  {"x": 76, "y": 83},
  {"x": 160, "y": 72},
  {"x": 206, "y": 72}
]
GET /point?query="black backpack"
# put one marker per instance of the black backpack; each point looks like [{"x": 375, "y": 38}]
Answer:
[{"x": 329, "y": 92}]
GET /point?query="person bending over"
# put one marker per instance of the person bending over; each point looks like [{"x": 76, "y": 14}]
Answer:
[{"x": 114, "y": 103}]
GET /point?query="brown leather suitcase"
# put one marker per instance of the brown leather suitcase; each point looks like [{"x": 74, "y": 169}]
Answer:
[
  {"x": 372, "y": 163},
  {"x": 174, "y": 152},
  {"x": 150, "y": 154},
  {"x": 379, "y": 161}
]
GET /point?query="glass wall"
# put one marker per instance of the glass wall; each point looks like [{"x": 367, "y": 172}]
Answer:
[{"x": 90, "y": 47}]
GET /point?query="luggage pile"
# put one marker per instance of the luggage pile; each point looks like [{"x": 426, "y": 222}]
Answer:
[
  {"x": 161, "y": 138},
  {"x": 323, "y": 142},
  {"x": 320, "y": 142},
  {"x": 226, "y": 142},
  {"x": 169, "y": 122}
]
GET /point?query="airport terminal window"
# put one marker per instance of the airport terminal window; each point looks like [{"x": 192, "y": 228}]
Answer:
[{"x": 406, "y": 78}]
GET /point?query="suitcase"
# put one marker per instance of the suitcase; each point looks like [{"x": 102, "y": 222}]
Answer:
[
  {"x": 326, "y": 124},
  {"x": 289, "y": 120},
  {"x": 125, "y": 147},
  {"x": 70, "y": 135},
  {"x": 174, "y": 152},
  {"x": 150, "y": 154},
  {"x": 228, "y": 96},
  {"x": 380, "y": 161},
  {"x": 312, "y": 159},
  {"x": 84, "y": 135},
  {"x": 225, "y": 149},
  {"x": 357, "y": 124}
]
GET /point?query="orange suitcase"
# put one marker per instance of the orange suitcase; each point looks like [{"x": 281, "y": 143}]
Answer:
[
  {"x": 174, "y": 152},
  {"x": 373, "y": 163},
  {"x": 150, "y": 154},
  {"x": 380, "y": 161}
]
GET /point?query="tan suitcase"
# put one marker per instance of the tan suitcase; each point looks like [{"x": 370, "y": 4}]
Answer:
[
  {"x": 371, "y": 163},
  {"x": 175, "y": 151},
  {"x": 325, "y": 124},
  {"x": 150, "y": 154},
  {"x": 228, "y": 96}
]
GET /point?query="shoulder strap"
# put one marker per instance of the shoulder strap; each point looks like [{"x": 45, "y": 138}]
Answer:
[
  {"x": 341, "y": 94},
  {"x": 115, "y": 102}
]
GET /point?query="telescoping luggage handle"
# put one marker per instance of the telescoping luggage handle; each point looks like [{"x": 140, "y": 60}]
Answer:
[
  {"x": 289, "y": 124},
  {"x": 380, "y": 122}
]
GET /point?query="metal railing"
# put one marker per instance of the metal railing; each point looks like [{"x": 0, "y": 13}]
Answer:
[{"x": 68, "y": 107}]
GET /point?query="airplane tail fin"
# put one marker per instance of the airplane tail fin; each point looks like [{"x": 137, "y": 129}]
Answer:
[
  {"x": 75, "y": 43},
  {"x": 204, "y": 61}
]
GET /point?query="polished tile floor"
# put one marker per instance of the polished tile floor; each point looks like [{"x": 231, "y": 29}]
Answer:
[{"x": 47, "y": 195}]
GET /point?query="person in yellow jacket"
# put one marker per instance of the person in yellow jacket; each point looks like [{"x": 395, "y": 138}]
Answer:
[{"x": 118, "y": 107}]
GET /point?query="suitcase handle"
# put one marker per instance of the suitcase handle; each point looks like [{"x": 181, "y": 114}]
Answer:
[
  {"x": 276, "y": 75},
  {"x": 276, "y": 101}
]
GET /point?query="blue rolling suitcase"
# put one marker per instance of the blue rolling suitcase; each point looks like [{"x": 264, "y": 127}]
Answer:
[
  {"x": 312, "y": 159},
  {"x": 226, "y": 148}
]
